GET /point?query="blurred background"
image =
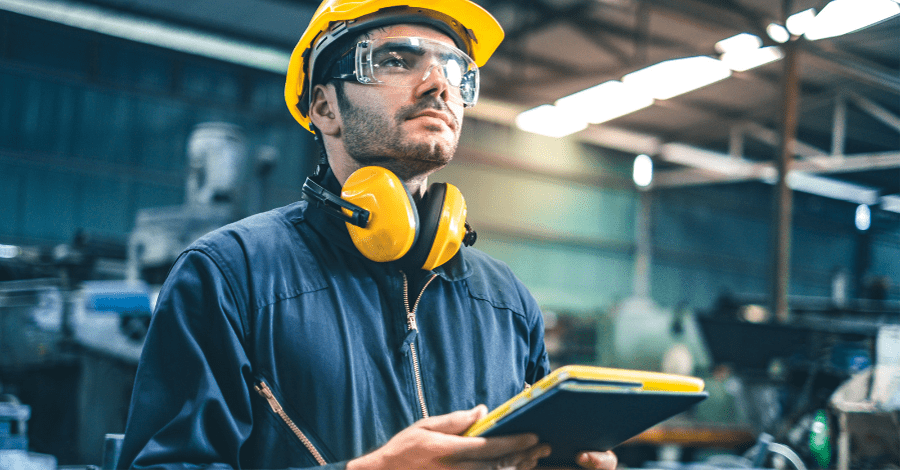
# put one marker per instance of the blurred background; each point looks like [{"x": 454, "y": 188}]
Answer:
[{"x": 694, "y": 186}]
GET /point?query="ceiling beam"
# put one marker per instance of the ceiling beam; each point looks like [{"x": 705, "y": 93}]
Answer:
[
  {"x": 771, "y": 137},
  {"x": 154, "y": 32},
  {"x": 876, "y": 110},
  {"x": 600, "y": 39},
  {"x": 851, "y": 67},
  {"x": 580, "y": 14},
  {"x": 716, "y": 167},
  {"x": 715, "y": 17}
]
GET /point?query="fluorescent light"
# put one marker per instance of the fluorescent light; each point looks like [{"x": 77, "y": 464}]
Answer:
[
  {"x": 9, "y": 251},
  {"x": 152, "y": 32},
  {"x": 845, "y": 16},
  {"x": 550, "y": 121},
  {"x": 740, "y": 61},
  {"x": 863, "y": 217},
  {"x": 778, "y": 33},
  {"x": 604, "y": 102},
  {"x": 799, "y": 23},
  {"x": 674, "y": 77},
  {"x": 740, "y": 42},
  {"x": 643, "y": 171}
]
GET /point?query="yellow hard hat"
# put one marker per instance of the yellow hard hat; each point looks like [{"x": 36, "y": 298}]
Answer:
[{"x": 473, "y": 28}]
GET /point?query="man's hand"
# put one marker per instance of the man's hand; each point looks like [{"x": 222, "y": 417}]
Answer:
[
  {"x": 435, "y": 444},
  {"x": 594, "y": 460}
]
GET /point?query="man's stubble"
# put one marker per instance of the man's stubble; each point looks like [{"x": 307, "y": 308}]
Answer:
[{"x": 372, "y": 138}]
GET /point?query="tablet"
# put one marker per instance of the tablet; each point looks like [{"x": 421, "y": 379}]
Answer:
[{"x": 578, "y": 408}]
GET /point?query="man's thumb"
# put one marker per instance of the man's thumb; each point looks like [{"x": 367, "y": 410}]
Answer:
[{"x": 455, "y": 423}]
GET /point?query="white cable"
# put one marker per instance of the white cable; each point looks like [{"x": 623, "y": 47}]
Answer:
[{"x": 787, "y": 453}]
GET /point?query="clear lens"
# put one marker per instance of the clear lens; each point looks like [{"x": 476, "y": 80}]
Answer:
[{"x": 408, "y": 61}]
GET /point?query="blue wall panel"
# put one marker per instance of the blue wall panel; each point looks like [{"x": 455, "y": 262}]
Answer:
[
  {"x": 134, "y": 66},
  {"x": 11, "y": 190},
  {"x": 94, "y": 128},
  {"x": 110, "y": 205},
  {"x": 164, "y": 126},
  {"x": 50, "y": 206},
  {"x": 103, "y": 129}
]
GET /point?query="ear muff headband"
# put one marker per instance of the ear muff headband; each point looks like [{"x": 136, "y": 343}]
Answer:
[{"x": 393, "y": 220}]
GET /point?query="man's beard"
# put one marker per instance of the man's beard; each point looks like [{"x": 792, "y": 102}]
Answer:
[{"x": 370, "y": 138}]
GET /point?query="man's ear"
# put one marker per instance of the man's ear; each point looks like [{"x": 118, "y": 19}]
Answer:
[{"x": 323, "y": 110}]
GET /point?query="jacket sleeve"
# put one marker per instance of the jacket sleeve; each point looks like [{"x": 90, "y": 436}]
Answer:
[
  {"x": 538, "y": 363},
  {"x": 191, "y": 407}
]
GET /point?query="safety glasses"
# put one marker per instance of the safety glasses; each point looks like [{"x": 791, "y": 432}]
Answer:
[{"x": 407, "y": 62}]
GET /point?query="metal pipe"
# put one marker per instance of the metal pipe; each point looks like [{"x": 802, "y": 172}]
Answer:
[
  {"x": 641, "y": 281},
  {"x": 839, "y": 125},
  {"x": 783, "y": 193}
]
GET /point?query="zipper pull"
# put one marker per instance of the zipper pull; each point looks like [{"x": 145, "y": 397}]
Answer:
[
  {"x": 409, "y": 339},
  {"x": 266, "y": 392},
  {"x": 411, "y": 322}
]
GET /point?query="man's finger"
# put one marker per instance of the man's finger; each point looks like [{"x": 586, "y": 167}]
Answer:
[
  {"x": 480, "y": 448},
  {"x": 454, "y": 423},
  {"x": 525, "y": 460},
  {"x": 598, "y": 460}
]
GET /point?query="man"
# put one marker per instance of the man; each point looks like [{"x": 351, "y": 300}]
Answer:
[{"x": 282, "y": 341}]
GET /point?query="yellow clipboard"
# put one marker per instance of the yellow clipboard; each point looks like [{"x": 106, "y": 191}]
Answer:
[{"x": 579, "y": 407}]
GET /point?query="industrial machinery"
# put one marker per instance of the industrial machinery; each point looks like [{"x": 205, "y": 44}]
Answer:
[{"x": 73, "y": 317}]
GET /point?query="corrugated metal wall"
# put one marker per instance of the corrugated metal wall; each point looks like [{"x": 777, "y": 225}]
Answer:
[{"x": 93, "y": 128}]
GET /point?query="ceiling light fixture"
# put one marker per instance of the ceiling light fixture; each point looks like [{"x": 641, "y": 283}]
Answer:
[
  {"x": 643, "y": 171},
  {"x": 678, "y": 76},
  {"x": 799, "y": 23},
  {"x": 845, "y": 16},
  {"x": 9, "y": 251},
  {"x": 738, "y": 43},
  {"x": 778, "y": 33},
  {"x": 740, "y": 61},
  {"x": 550, "y": 121},
  {"x": 604, "y": 102},
  {"x": 863, "y": 217}
]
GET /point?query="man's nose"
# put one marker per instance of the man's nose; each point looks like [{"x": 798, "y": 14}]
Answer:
[{"x": 434, "y": 81}]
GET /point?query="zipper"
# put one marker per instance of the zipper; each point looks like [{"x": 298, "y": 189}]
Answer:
[
  {"x": 263, "y": 389},
  {"x": 411, "y": 326}
]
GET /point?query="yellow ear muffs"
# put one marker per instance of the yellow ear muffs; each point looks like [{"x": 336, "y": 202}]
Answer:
[
  {"x": 442, "y": 213},
  {"x": 393, "y": 220}
]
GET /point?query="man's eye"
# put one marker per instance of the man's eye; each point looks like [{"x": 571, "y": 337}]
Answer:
[{"x": 393, "y": 62}]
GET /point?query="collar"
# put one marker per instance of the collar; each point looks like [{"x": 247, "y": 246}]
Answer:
[{"x": 335, "y": 231}]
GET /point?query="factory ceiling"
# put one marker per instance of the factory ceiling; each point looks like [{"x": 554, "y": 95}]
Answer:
[{"x": 848, "y": 129}]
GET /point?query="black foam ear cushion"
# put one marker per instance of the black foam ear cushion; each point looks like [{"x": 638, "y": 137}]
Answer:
[{"x": 429, "y": 208}]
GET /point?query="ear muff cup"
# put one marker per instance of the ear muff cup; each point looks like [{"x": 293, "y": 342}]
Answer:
[
  {"x": 430, "y": 208},
  {"x": 442, "y": 213},
  {"x": 393, "y": 223}
]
